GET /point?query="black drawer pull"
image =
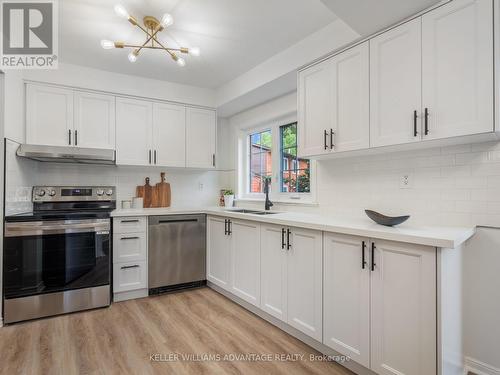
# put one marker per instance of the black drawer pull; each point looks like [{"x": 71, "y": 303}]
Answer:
[
  {"x": 283, "y": 238},
  {"x": 129, "y": 238},
  {"x": 128, "y": 267},
  {"x": 129, "y": 221}
]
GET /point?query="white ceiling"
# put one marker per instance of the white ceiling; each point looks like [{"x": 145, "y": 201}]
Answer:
[
  {"x": 233, "y": 35},
  {"x": 369, "y": 16}
]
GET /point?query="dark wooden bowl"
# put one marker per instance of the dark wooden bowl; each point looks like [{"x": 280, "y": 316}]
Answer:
[{"x": 388, "y": 221}]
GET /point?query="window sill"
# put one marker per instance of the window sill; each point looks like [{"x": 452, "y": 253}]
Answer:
[{"x": 291, "y": 202}]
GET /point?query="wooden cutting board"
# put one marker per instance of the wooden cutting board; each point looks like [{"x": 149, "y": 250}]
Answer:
[
  {"x": 162, "y": 195},
  {"x": 146, "y": 192}
]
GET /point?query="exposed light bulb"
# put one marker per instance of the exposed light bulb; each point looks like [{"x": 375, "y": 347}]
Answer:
[
  {"x": 167, "y": 20},
  {"x": 132, "y": 56},
  {"x": 195, "y": 51},
  {"x": 181, "y": 61},
  {"x": 107, "y": 44},
  {"x": 121, "y": 11}
]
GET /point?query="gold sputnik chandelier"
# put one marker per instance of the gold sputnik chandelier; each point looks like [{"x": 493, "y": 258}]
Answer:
[{"x": 151, "y": 28}]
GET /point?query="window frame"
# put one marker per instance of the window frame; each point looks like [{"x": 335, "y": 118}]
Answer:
[{"x": 243, "y": 167}]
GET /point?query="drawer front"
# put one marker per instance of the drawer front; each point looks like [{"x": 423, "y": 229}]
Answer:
[
  {"x": 130, "y": 276},
  {"x": 129, "y": 224},
  {"x": 129, "y": 247}
]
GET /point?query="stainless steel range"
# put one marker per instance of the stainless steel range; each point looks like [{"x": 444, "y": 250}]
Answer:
[{"x": 57, "y": 258}]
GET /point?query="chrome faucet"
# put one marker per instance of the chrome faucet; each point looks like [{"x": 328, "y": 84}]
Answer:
[{"x": 268, "y": 203}]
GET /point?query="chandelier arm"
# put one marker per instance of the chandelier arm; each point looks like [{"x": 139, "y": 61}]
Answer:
[
  {"x": 151, "y": 37},
  {"x": 169, "y": 50}
]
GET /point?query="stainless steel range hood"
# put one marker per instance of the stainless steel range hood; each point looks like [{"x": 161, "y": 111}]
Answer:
[{"x": 63, "y": 154}]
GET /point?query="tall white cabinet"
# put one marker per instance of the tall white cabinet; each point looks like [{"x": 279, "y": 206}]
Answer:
[
  {"x": 200, "y": 138},
  {"x": 169, "y": 135},
  {"x": 457, "y": 71}
]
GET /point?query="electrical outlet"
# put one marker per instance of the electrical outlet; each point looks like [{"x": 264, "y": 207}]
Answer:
[{"x": 406, "y": 181}]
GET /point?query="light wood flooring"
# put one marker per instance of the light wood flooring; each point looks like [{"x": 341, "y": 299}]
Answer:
[{"x": 121, "y": 339}]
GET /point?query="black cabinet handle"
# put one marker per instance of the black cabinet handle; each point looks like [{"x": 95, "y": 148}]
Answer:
[
  {"x": 76, "y": 137},
  {"x": 363, "y": 259},
  {"x": 373, "y": 256},
  {"x": 129, "y": 238},
  {"x": 229, "y": 230},
  {"x": 324, "y": 139},
  {"x": 332, "y": 133},
  {"x": 129, "y": 221},
  {"x": 213, "y": 160},
  {"x": 283, "y": 238},
  {"x": 127, "y": 267},
  {"x": 225, "y": 227},
  {"x": 69, "y": 137},
  {"x": 288, "y": 232},
  {"x": 155, "y": 156},
  {"x": 415, "y": 119},
  {"x": 149, "y": 156},
  {"x": 426, "y": 121}
]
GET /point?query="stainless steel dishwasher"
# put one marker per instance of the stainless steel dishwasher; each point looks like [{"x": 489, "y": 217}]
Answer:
[{"x": 176, "y": 252}]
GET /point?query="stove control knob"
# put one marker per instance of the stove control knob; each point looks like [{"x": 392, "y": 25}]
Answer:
[
  {"x": 40, "y": 193},
  {"x": 52, "y": 192},
  {"x": 109, "y": 192},
  {"x": 100, "y": 192}
]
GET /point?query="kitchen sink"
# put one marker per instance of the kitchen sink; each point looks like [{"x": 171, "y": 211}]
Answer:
[{"x": 253, "y": 212}]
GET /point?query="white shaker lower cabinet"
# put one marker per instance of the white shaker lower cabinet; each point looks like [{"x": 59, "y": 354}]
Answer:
[
  {"x": 403, "y": 309},
  {"x": 291, "y": 277},
  {"x": 273, "y": 272},
  {"x": 245, "y": 260},
  {"x": 218, "y": 252},
  {"x": 380, "y": 303},
  {"x": 346, "y": 290}
]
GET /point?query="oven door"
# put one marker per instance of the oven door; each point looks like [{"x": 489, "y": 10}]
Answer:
[{"x": 51, "y": 256}]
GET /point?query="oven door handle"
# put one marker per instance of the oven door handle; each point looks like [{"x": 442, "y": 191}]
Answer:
[{"x": 38, "y": 228}]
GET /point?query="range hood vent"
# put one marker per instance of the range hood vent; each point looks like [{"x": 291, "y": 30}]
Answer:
[{"x": 64, "y": 154}]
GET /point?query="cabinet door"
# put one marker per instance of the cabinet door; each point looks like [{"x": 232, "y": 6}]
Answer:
[
  {"x": 403, "y": 315},
  {"x": 304, "y": 286},
  {"x": 273, "y": 271},
  {"x": 457, "y": 45},
  {"x": 218, "y": 253},
  {"x": 94, "y": 120},
  {"x": 49, "y": 115},
  {"x": 350, "y": 101},
  {"x": 200, "y": 138},
  {"x": 245, "y": 259},
  {"x": 346, "y": 292},
  {"x": 315, "y": 109},
  {"x": 134, "y": 127},
  {"x": 169, "y": 134},
  {"x": 396, "y": 85}
]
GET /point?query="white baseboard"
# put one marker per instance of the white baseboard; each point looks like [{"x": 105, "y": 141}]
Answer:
[{"x": 479, "y": 368}]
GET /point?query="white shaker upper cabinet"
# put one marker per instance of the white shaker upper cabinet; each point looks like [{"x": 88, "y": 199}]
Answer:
[
  {"x": 346, "y": 296},
  {"x": 273, "y": 271},
  {"x": 403, "y": 309},
  {"x": 94, "y": 120},
  {"x": 134, "y": 124},
  {"x": 350, "y": 100},
  {"x": 169, "y": 135},
  {"x": 304, "y": 286},
  {"x": 396, "y": 85},
  {"x": 457, "y": 42},
  {"x": 49, "y": 115},
  {"x": 315, "y": 109},
  {"x": 200, "y": 138}
]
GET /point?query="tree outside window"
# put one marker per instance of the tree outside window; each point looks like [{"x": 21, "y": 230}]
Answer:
[{"x": 295, "y": 174}]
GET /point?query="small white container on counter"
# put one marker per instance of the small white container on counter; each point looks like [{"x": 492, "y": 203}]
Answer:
[
  {"x": 126, "y": 205},
  {"x": 137, "y": 202}
]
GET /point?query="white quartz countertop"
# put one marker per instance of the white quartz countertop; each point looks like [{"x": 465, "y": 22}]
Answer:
[{"x": 446, "y": 237}]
